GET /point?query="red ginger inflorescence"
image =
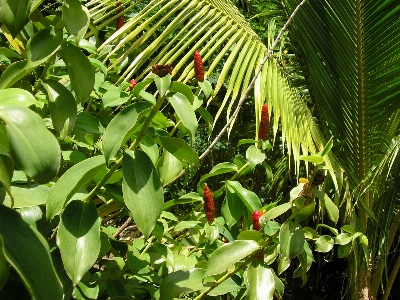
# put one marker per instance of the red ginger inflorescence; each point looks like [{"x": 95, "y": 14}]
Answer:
[
  {"x": 132, "y": 84},
  {"x": 209, "y": 206},
  {"x": 256, "y": 218},
  {"x": 120, "y": 20},
  {"x": 198, "y": 66},
  {"x": 264, "y": 124}
]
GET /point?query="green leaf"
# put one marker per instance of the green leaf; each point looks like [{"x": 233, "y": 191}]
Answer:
[
  {"x": 291, "y": 238},
  {"x": 229, "y": 254},
  {"x": 207, "y": 117},
  {"x": 254, "y": 156},
  {"x": 33, "y": 148},
  {"x": 333, "y": 210},
  {"x": 179, "y": 282},
  {"x": 275, "y": 212},
  {"x": 227, "y": 286},
  {"x": 42, "y": 46},
  {"x": 15, "y": 14},
  {"x": 114, "y": 97},
  {"x": 283, "y": 264},
  {"x": 121, "y": 128},
  {"x": 316, "y": 159},
  {"x": 324, "y": 243},
  {"x": 63, "y": 110},
  {"x": 6, "y": 170},
  {"x": 206, "y": 87},
  {"x": 4, "y": 265},
  {"x": 13, "y": 73},
  {"x": 327, "y": 148},
  {"x": 344, "y": 250},
  {"x": 185, "y": 225},
  {"x": 232, "y": 208},
  {"x": 271, "y": 228},
  {"x": 162, "y": 83},
  {"x": 188, "y": 198},
  {"x": 185, "y": 112},
  {"x": 150, "y": 147},
  {"x": 181, "y": 150},
  {"x": 33, "y": 215},
  {"x": 71, "y": 182},
  {"x": 80, "y": 71},
  {"x": 249, "y": 198},
  {"x": 218, "y": 169},
  {"x": 343, "y": 239},
  {"x": 260, "y": 282},
  {"x": 28, "y": 253},
  {"x": 78, "y": 238},
  {"x": 252, "y": 235},
  {"x": 76, "y": 18},
  {"x": 28, "y": 196},
  {"x": 142, "y": 190},
  {"x": 305, "y": 212},
  {"x": 168, "y": 167},
  {"x": 183, "y": 89},
  {"x": 18, "y": 97}
]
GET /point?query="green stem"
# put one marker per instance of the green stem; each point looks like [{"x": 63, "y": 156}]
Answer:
[
  {"x": 150, "y": 241},
  {"x": 218, "y": 192}
]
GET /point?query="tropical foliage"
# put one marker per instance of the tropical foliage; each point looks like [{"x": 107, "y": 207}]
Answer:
[{"x": 89, "y": 157}]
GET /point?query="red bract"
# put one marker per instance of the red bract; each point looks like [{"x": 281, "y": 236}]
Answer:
[
  {"x": 132, "y": 84},
  {"x": 120, "y": 20},
  {"x": 198, "y": 66},
  {"x": 256, "y": 218},
  {"x": 209, "y": 206},
  {"x": 264, "y": 124}
]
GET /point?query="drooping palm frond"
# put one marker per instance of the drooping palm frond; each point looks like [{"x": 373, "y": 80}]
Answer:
[{"x": 170, "y": 31}]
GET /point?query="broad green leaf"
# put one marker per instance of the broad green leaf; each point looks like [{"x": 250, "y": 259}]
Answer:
[
  {"x": 76, "y": 18},
  {"x": 142, "y": 190},
  {"x": 188, "y": 198},
  {"x": 305, "y": 212},
  {"x": 181, "y": 150},
  {"x": 343, "y": 239},
  {"x": 13, "y": 73},
  {"x": 185, "y": 112},
  {"x": 232, "y": 207},
  {"x": 70, "y": 182},
  {"x": 218, "y": 169},
  {"x": 249, "y": 198},
  {"x": 78, "y": 238},
  {"x": 121, "y": 128},
  {"x": 291, "y": 238},
  {"x": 9, "y": 53},
  {"x": 344, "y": 250},
  {"x": 180, "y": 282},
  {"x": 332, "y": 209},
  {"x": 15, "y": 14},
  {"x": 327, "y": 148},
  {"x": 150, "y": 147},
  {"x": 229, "y": 254},
  {"x": 260, "y": 282},
  {"x": 183, "y": 89},
  {"x": 271, "y": 228},
  {"x": 283, "y": 264},
  {"x": 207, "y": 117},
  {"x": 254, "y": 156},
  {"x": 33, "y": 215},
  {"x": 6, "y": 170},
  {"x": 227, "y": 286},
  {"x": 28, "y": 253},
  {"x": 84, "y": 291},
  {"x": 114, "y": 97},
  {"x": 252, "y": 235},
  {"x": 275, "y": 212},
  {"x": 39, "y": 160},
  {"x": 168, "y": 167},
  {"x": 162, "y": 83},
  {"x": 185, "y": 225},
  {"x": 18, "y": 97},
  {"x": 25, "y": 196},
  {"x": 141, "y": 85},
  {"x": 62, "y": 105},
  {"x": 324, "y": 243},
  {"x": 4, "y": 265},
  {"x": 206, "y": 87},
  {"x": 42, "y": 46},
  {"x": 80, "y": 71}
]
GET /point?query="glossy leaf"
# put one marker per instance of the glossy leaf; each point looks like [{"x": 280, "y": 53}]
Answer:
[
  {"x": 25, "y": 196},
  {"x": 291, "y": 238},
  {"x": 39, "y": 160},
  {"x": 62, "y": 105},
  {"x": 185, "y": 112},
  {"x": 13, "y": 73},
  {"x": 324, "y": 243},
  {"x": 254, "y": 156},
  {"x": 121, "y": 128},
  {"x": 275, "y": 212},
  {"x": 227, "y": 286},
  {"x": 80, "y": 71},
  {"x": 33, "y": 215},
  {"x": 260, "y": 282},
  {"x": 42, "y": 46},
  {"x": 332, "y": 209},
  {"x": 18, "y": 97},
  {"x": 78, "y": 238},
  {"x": 249, "y": 198},
  {"x": 188, "y": 198},
  {"x": 229, "y": 254},
  {"x": 168, "y": 167},
  {"x": 232, "y": 207},
  {"x": 28, "y": 253},
  {"x": 183, "y": 89},
  {"x": 181, "y": 150},
  {"x": 162, "y": 83},
  {"x": 142, "y": 190},
  {"x": 6, "y": 170},
  {"x": 343, "y": 239},
  {"x": 71, "y": 182},
  {"x": 218, "y": 169},
  {"x": 76, "y": 18},
  {"x": 316, "y": 159},
  {"x": 15, "y": 14},
  {"x": 180, "y": 282},
  {"x": 4, "y": 265}
]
